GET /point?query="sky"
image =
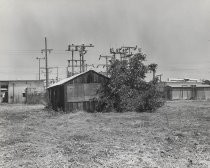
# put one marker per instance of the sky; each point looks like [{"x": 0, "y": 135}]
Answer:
[{"x": 175, "y": 34}]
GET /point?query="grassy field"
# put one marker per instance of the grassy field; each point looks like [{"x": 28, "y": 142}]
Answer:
[{"x": 176, "y": 135}]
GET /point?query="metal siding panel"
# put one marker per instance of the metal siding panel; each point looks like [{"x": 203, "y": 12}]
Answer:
[
  {"x": 80, "y": 106},
  {"x": 186, "y": 93},
  {"x": 200, "y": 93},
  {"x": 207, "y": 93},
  {"x": 91, "y": 90},
  {"x": 75, "y": 93},
  {"x": 176, "y": 93},
  {"x": 82, "y": 92}
]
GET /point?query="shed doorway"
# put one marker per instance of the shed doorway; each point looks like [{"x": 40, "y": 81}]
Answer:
[{"x": 4, "y": 94}]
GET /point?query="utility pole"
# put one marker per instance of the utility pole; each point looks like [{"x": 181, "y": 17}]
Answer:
[
  {"x": 106, "y": 57},
  {"x": 126, "y": 51},
  {"x": 72, "y": 48},
  {"x": 123, "y": 52},
  {"x": 38, "y": 58},
  {"x": 57, "y": 75},
  {"x": 46, "y": 50},
  {"x": 70, "y": 63},
  {"x": 82, "y": 65},
  {"x": 82, "y": 51},
  {"x": 114, "y": 52}
]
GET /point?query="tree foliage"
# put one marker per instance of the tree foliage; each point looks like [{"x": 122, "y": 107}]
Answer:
[
  {"x": 153, "y": 67},
  {"x": 206, "y": 82},
  {"x": 127, "y": 89}
]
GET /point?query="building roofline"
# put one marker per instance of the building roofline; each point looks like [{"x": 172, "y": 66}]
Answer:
[
  {"x": 188, "y": 86},
  {"x": 73, "y": 77},
  {"x": 20, "y": 80}
]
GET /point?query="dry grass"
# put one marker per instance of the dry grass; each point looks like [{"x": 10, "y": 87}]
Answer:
[{"x": 176, "y": 135}]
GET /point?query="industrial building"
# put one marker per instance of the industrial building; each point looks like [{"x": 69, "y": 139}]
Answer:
[
  {"x": 15, "y": 91},
  {"x": 186, "y": 89},
  {"x": 77, "y": 92}
]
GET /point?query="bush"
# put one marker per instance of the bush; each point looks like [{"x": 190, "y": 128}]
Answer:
[{"x": 127, "y": 90}]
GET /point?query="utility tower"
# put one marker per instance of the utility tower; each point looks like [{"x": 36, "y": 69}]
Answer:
[
  {"x": 46, "y": 51},
  {"x": 106, "y": 57},
  {"x": 82, "y": 51},
  {"x": 124, "y": 52},
  {"x": 72, "y": 48},
  {"x": 117, "y": 51},
  {"x": 127, "y": 51},
  {"x": 114, "y": 52},
  {"x": 39, "y": 59},
  {"x": 71, "y": 64}
]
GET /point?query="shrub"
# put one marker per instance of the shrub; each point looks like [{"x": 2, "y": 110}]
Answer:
[{"x": 127, "y": 89}]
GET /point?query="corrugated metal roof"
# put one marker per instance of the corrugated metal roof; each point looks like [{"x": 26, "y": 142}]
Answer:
[
  {"x": 70, "y": 78},
  {"x": 66, "y": 80},
  {"x": 186, "y": 85},
  {"x": 183, "y": 79},
  {"x": 22, "y": 80}
]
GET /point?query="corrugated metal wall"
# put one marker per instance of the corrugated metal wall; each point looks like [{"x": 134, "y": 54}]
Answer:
[
  {"x": 203, "y": 93},
  {"x": 188, "y": 93}
]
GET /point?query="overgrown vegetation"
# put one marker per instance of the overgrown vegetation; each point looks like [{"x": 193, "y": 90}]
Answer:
[
  {"x": 206, "y": 82},
  {"x": 176, "y": 135},
  {"x": 127, "y": 89}
]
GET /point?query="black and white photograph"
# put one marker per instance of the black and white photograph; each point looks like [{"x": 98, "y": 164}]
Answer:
[{"x": 104, "y": 83}]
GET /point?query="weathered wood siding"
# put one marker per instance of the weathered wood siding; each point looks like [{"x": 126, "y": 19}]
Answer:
[
  {"x": 81, "y": 91},
  {"x": 78, "y": 93}
]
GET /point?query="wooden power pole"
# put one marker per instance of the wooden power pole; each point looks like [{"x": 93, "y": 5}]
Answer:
[
  {"x": 82, "y": 51},
  {"x": 106, "y": 57},
  {"x": 38, "y": 58},
  {"x": 46, "y": 50}
]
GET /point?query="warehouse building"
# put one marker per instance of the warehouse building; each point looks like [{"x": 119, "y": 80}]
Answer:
[
  {"x": 15, "y": 91},
  {"x": 187, "y": 89},
  {"x": 77, "y": 92}
]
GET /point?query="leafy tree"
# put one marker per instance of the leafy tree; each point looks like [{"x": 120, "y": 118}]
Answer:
[
  {"x": 153, "y": 67},
  {"x": 127, "y": 89},
  {"x": 206, "y": 82}
]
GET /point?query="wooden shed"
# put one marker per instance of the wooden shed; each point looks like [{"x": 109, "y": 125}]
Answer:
[{"x": 77, "y": 92}]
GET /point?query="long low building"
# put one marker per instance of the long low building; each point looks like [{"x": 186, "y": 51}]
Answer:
[
  {"x": 15, "y": 91},
  {"x": 187, "y": 90}
]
